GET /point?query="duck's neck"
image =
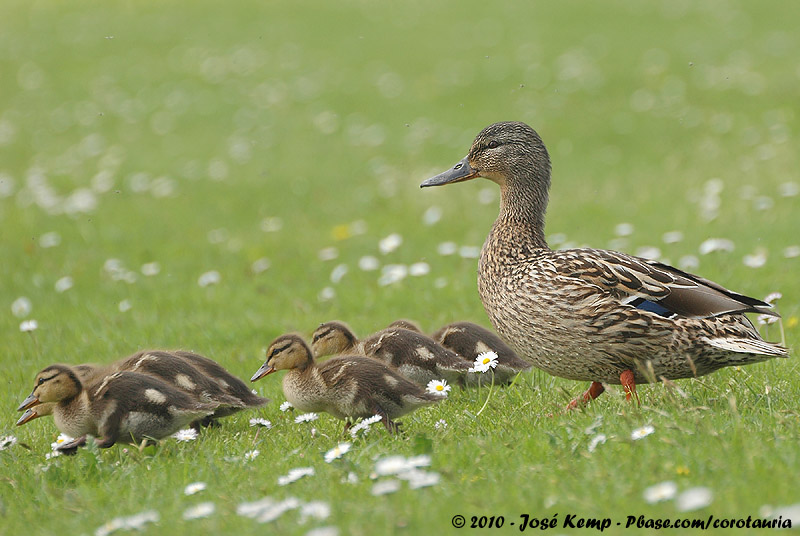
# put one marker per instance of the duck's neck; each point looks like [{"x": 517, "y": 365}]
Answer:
[{"x": 520, "y": 223}]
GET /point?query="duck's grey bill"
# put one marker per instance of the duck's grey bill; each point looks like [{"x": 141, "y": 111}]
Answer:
[{"x": 460, "y": 172}]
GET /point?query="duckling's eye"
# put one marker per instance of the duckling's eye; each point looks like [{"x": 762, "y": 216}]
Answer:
[
  {"x": 40, "y": 382},
  {"x": 493, "y": 144}
]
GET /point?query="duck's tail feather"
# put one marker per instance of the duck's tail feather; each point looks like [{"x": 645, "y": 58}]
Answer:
[{"x": 749, "y": 346}]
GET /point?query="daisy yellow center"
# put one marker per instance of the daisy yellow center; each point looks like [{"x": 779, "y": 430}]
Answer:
[
  {"x": 486, "y": 360},
  {"x": 440, "y": 387}
]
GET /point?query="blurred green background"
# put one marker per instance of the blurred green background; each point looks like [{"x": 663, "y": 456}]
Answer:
[{"x": 277, "y": 143}]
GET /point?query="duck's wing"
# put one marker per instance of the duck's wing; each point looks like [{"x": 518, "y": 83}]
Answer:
[{"x": 654, "y": 286}]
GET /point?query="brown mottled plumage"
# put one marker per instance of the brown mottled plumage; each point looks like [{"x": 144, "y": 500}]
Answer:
[
  {"x": 470, "y": 340},
  {"x": 119, "y": 407},
  {"x": 196, "y": 375},
  {"x": 347, "y": 387},
  {"x": 588, "y": 314},
  {"x": 415, "y": 355}
]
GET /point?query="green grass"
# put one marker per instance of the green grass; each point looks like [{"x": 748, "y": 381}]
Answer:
[{"x": 324, "y": 114}]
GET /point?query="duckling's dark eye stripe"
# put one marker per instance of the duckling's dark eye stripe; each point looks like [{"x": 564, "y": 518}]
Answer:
[
  {"x": 43, "y": 379},
  {"x": 319, "y": 335},
  {"x": 280, "y": 349}
]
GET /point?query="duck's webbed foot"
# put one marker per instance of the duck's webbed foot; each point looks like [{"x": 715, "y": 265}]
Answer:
[
  {"x": 594, "y": 390},
  {"x": 629, "y": 385}
]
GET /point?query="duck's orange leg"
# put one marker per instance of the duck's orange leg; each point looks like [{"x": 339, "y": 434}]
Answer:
[
  {"x": 629, "y": 385},
  {"x": 594, "y": 390}
]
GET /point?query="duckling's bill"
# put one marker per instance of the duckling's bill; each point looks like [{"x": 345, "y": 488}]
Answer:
[
  {"x": 28, "y": 416},
  {"x": 263, "y": 371},
  {"x": 462, "y": 171},
  {"x": 29, "y": 402}
]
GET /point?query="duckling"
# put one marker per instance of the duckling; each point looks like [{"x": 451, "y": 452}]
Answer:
[
  {"x": 347, "y": 387},
  {"x": 470, "y": 340},
  {"x": 415, "y": 355},
  {"x": 590, "y": 314},
  {"x": 123, "y": 406},
  {"x": 196, "y": 375}
]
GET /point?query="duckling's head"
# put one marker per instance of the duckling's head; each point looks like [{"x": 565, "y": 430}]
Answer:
[
  {"x": 504, "y": 153},
  {"x": 53, "y": 384},
  {"x": 332, "y": 338},
  {"x": 285, "y": 353}
]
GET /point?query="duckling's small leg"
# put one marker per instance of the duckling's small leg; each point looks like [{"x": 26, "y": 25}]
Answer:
[
  {"x": 594, "y": 390},
  {"x": 391, "y": 426},
  {"x": 629, "y": 385}
]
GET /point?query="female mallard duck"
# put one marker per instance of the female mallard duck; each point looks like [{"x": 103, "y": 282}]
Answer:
[
  {"x": 414, "y": 355},
  {"x": 347, "y": 387},
  {"x": 470, "y": 340},
  {"x": 588, "y": 314},
  {"x": 123, "y": 406}
]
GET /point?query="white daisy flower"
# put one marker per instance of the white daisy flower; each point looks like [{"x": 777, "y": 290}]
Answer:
[
  {"x": 447, "y": 248},
  {"x": 306, "y": 417},
  {"x": 260, "y": 265},
  {"x": 135, "y": 522},
  {"x": 286, "y": 406},
  {"x": 337, "y": 452},
  {"x": 327, "y": 254},
  {"x": 199, "y": 511},
  {"x": 315, "y": 509},
  {"x": 623, "y": 229},
  {"x": 772, "y": 297},
  {"x": 295, "y": 474},
  {"x": 663, "y": 491},
  {"x": 28, "y": 325},
  {"x": 484, "y": 362},
  {"x": 150, "y": 269},
  {"x": 7, "y": 442},
  {"x": 440, "y": 424},
  {"x": 251, "y": 455},
  {"x": 694, "y": 499},
  {"x": 211, "y": 277},
  {"x": 187, "y": 434},
  {"x": 125, "y": 306},
  {"x": 393, "y": 465},
  {"x": 469, "y": 252},
  {"x": 438, "y": 387},
  {"x": 194, "y": 487},
  {"x": 60, "y": 440},
  {"x": 50, "y": 240},
  {"x": 63, "y": 284},
  {"x": 275, "y": 511},
  {"x": 368, "y": 263},
  {"x": 21, "y": 307},
  {"x": 364, "y": 424},
  {"x": 258, "y": 421},
  {"x": 421, "y": 479},
  {"x": 390, "y": 243},
  {"x": 323, "y": 531},
  {"x": 596, "y": 441},
  {"x": 716, "y": 244},
  {"x": 384, "y": 487},
  {"x": 642, "y": 432}
]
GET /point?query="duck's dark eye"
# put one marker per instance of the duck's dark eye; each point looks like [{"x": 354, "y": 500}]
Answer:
[
  {"x": 41, "y": 381},
  {"x": 493, "y": 144}
]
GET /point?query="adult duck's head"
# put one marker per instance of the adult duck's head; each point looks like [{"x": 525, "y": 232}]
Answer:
[{"x": 509, "y": 153}]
